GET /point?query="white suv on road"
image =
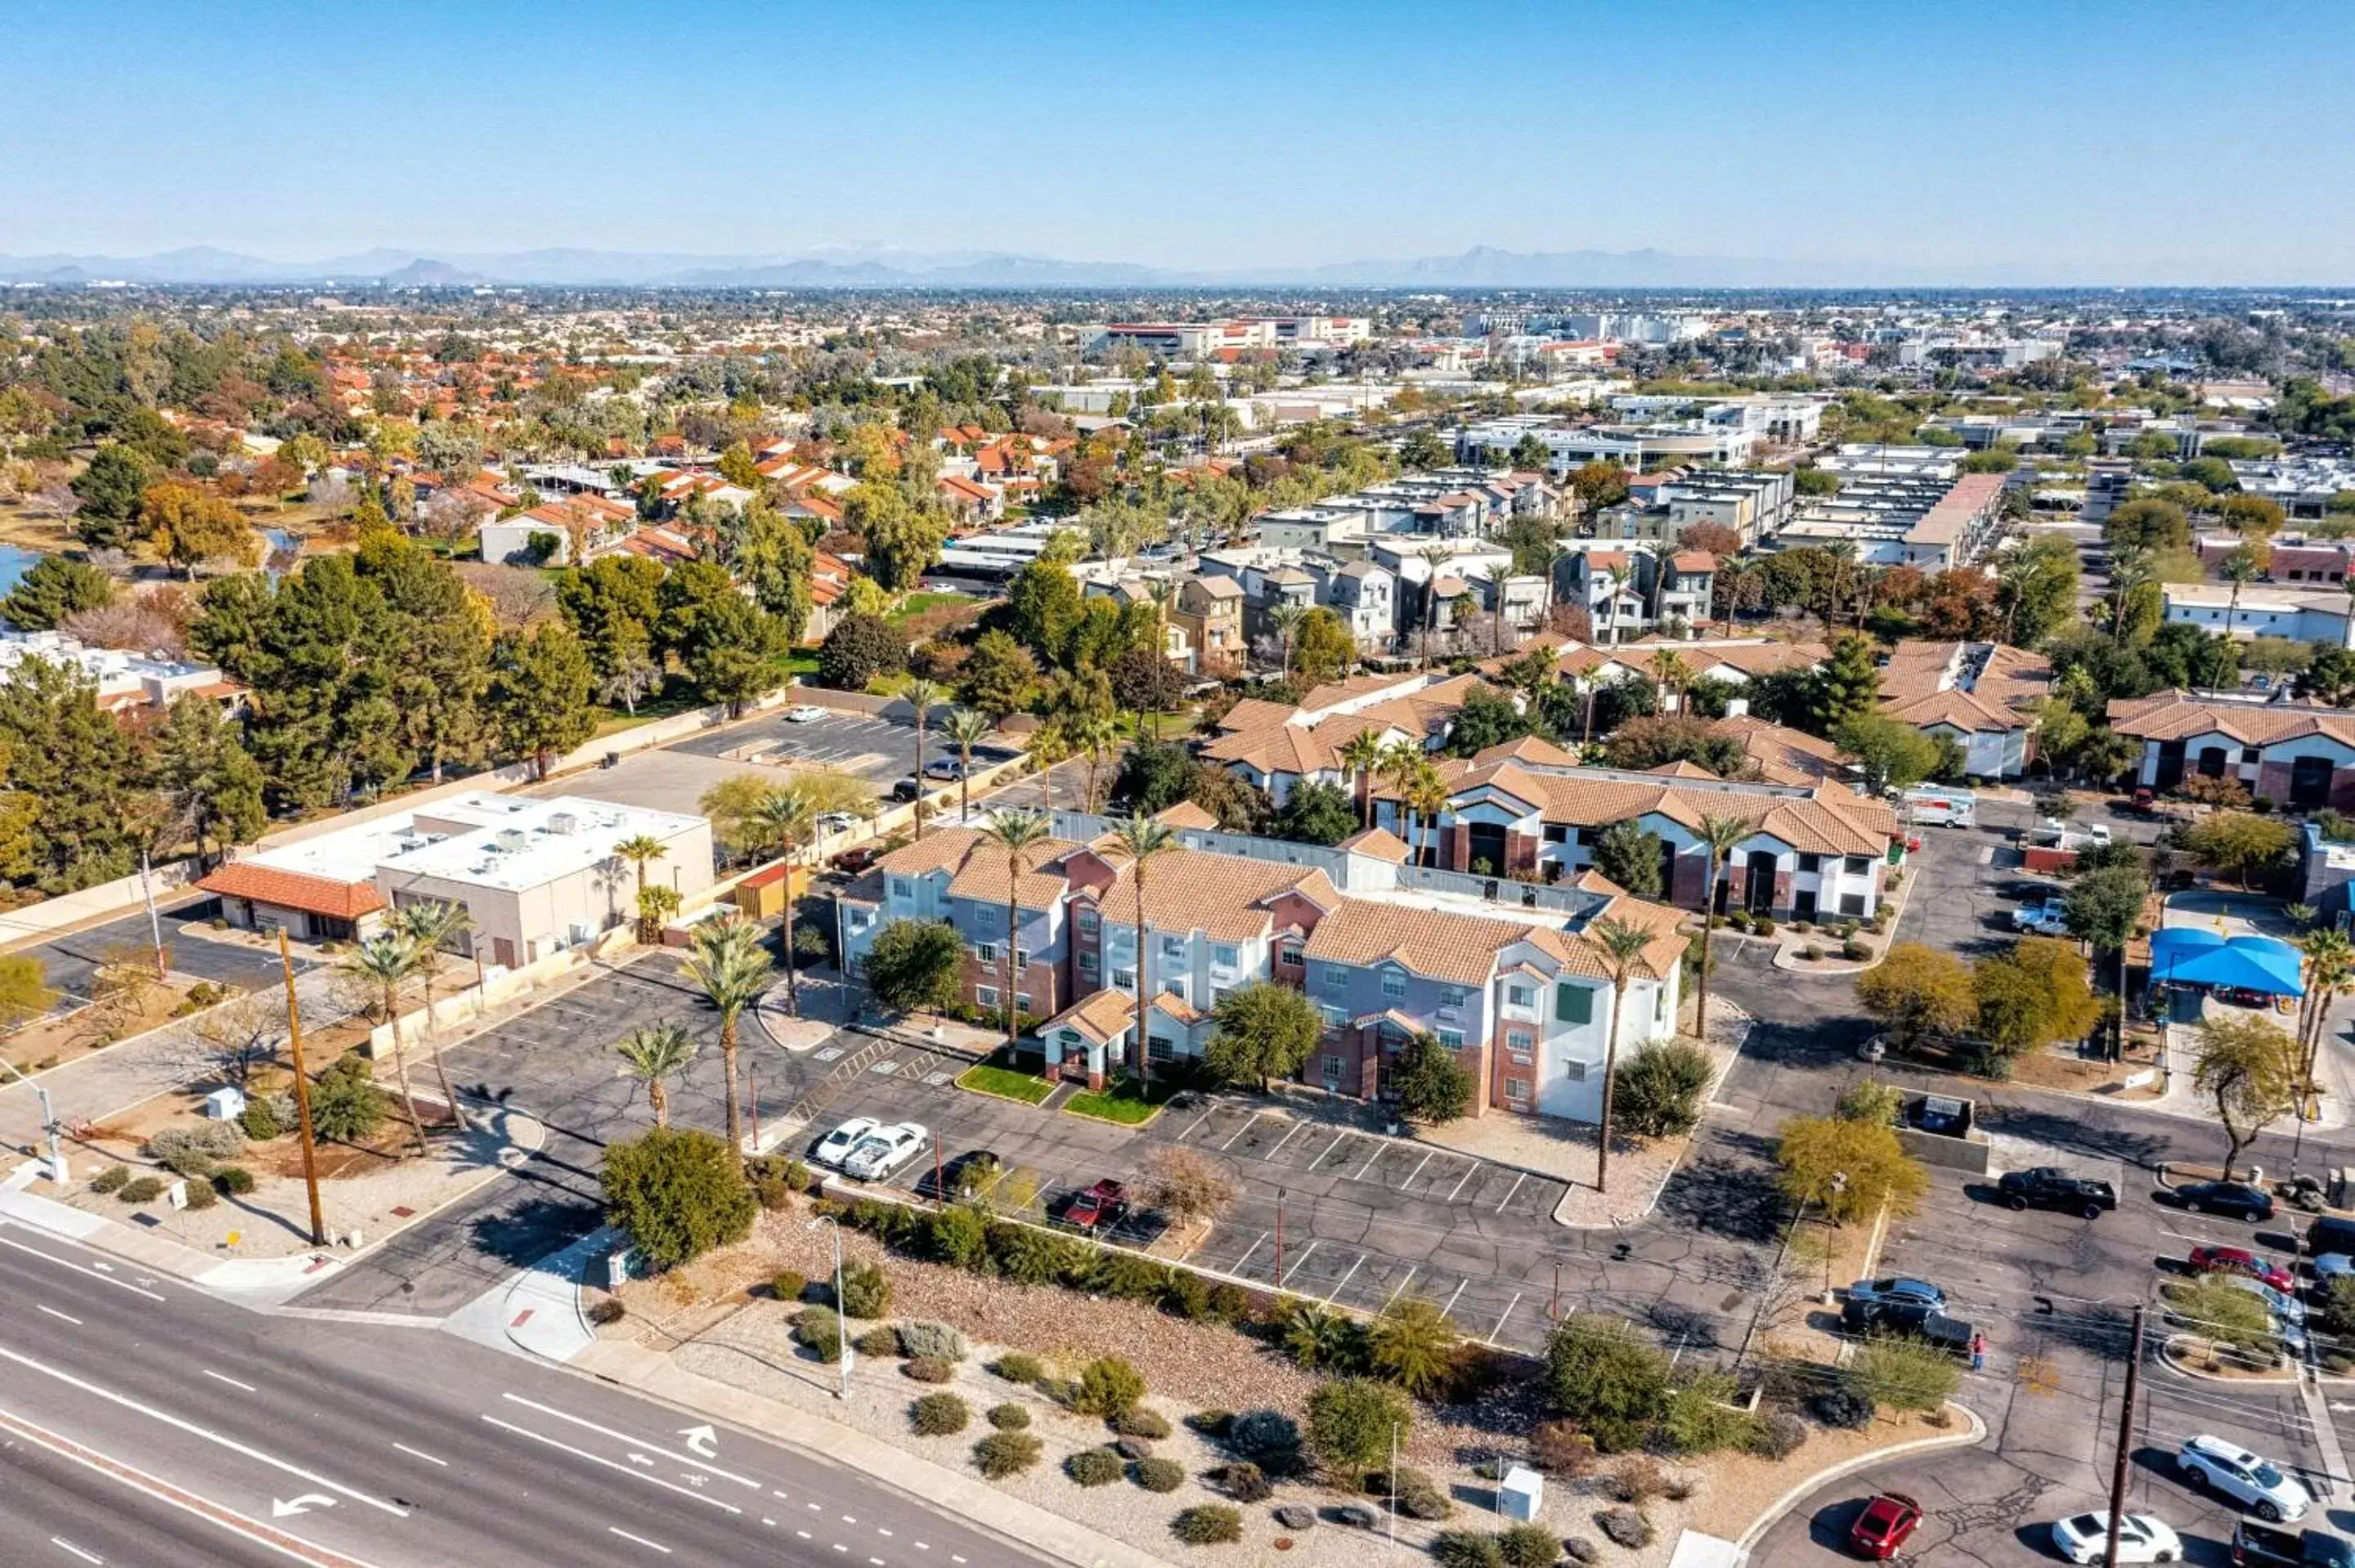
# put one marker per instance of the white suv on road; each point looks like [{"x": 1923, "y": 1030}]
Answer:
[{"x": 2257, "y": 1483}]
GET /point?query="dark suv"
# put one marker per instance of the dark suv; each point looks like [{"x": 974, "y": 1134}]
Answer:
[{"x": 2236, "y": 1198}]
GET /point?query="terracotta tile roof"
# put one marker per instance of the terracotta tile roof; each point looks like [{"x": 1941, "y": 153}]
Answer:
[
  {"x": 1458, "y": 949},
  {"x": 1185, "y": 814},
  {"x": 1104, "y": 1016},
  {"x": 1223, "y": 896},
  {"x": 2181, "y": 716},
  {"x": 295, "y": 890},
  {"x": 1693, "y": 561},
  {"x": 1825, "y": 820},
  {"x": 1177, "y": 1007},
  {"x": 1681, "y": 769},
  {"x": 1379, "y": 843},
  {"x": 1529, "y": 749},
  {"x": 1783, "y": 756},
  {"x": 977, "y": 867}
]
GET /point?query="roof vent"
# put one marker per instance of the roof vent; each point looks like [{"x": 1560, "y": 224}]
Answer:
[
  {"x": 508, "y": 839},
  {"x": 563, "y": 822}
]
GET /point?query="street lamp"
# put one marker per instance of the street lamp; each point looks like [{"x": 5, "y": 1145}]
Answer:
[
  {"x": 48, "y": 1122},
  {"x": 1839, "y": 1185},
  {"x": 841, "y": 1331}
]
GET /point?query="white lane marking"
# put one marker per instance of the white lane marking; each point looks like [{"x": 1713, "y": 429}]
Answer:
[
  {"x": 192, "y": 1430},
  {"x": 62, "y": 1544},
  {"x": 60, "y": 1317},
  {"x": 803, "y": 1534},
  {"x": 880, "y": 1531},
  {"x": 1368, "y": 1165},
  {"x": 1340, "y": 1139},
  {"x": 776, "y": 1493},
  {"x": 812, "y": 1507},
  {"x": 847, "y": 1519},
  {"x": 1346, "y": 1278},
  {"x": 248, "y": 1388},
  {"x": 600, "y": 1460},
  {"x": 1247, "y": 1252},
  {"x": 637, "y": 1540},
  {"x": 1505, "y": 1314},
  {"x": 694, "y": 1459},
  {"x": 419, "y": 1454},
  {"x": 1194, "y": 1125},
  {"x": 1298, "y": 1261},
  {"x": 1518, "y": 1179},
  {"x": 1416, "y": 1172},
  {"x": 1251, "y": 1122},
  {"x": 923, "y": 1546},
  {"x": 1288, "y": 1138},
  {"x": 1475, "y": 1171},
  {"x": 94, "y": 1273}
]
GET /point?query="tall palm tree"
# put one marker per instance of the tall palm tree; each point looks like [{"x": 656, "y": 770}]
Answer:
[
  {"x": 429, "y": 924},
  {"x": 1399, "y": 760},
  {"x": 1843, "y": 557},
  {"x": 1049, "y": 745},
  {"x": 639, "y": 850},
  {"x": 2130, "y": 568},
  {"x": 1095, "y": 734},
  {"x": 724, "y": 958},
  {"x": 1286, "y": 619},
  {"x": 2239, "y": 566},
  {"x": 1146, "y": 840},
  {"x": 1718, "y": 836},
  {"x": 2328, "y": 958},
  {"x": 1020, "y": 835},
  {"x": 1621, "y": 947},
  {"x": 1433, "y": 557},
  {"x": 923, "y": 697},
  {"x": 1361, "y": 754},
  {"x": 1670, "y": 672},
  {"x": 1427, "y": 793},
  {"x": 786, "y": 820},
  {"x": 964, "y": 729},
  {"x": 386, "y": 960},
  {"x": 654, "y": 1054}
]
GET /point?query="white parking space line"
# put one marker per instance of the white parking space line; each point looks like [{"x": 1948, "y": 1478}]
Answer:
[
  {"x": 1468, "y": 1174},
  {"x": 1507, "y": 1312},
  {"x": 1460, "y": 1284},
  {"x": 1346, "y": 1278},
  {"x": 1298, "y": 1261},
  {"x": 1196, "y": 1125},
  {"x": 1368, "y": 1165},
  {"x": 1288, "y": 1138},
  {"x": 1237, "y": 1266},
  {"x": 1327, "y": 1149},
  {"x": 1238, "y": 1132},
  {"x": 1519, "y": 1178},
  {"x": 1402, "y": 1286},
  {"x": 1416, "y": 1172}
]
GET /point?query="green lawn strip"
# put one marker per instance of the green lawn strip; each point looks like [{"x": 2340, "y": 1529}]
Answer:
[
  {"x": 1124, "y": 1103},
  {"x": 1005, "y": 1083}
]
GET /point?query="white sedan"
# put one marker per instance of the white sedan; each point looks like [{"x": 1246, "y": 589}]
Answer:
[
  {"x": 2083, "y": 1538},
  {"x": 839, "y": 1143},
  {"x": 883, "y": 1151},
  {"x": 805, "y": 714}
]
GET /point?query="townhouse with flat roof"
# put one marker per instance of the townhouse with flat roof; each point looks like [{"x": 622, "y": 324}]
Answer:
[{"x": 1507, "y": 976}]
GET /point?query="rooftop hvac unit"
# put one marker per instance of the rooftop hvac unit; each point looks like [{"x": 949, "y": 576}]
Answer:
[
  {"x": 508, "y": 839},
  {"x": 563, "y": 822}
]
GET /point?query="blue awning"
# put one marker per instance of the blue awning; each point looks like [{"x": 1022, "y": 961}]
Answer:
[{"x": 2244, "y": 963}]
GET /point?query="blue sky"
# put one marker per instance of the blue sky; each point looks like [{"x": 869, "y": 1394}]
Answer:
[{"x": 2134, "y": 141}]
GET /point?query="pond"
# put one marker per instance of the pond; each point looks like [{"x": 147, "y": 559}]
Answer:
[{"x": 15, "y": 562}]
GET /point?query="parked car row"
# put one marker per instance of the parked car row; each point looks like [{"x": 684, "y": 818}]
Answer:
[{"x": 867, "y": 1150}]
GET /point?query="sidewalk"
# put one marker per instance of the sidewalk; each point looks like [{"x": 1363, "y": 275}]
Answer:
[{"x": 967, "y": 1497}]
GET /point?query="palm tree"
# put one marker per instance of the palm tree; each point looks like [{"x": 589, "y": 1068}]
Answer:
[
  {"x": 724, "y": 958},
  {"x": 1096, "y": 734},
  {"x": 2329, "y": 963},
  {"x": 385, "y": 961},
  {"x": 1049, "y": 745},
  {"x": 1433, "y": 557},
  {"x": 429, "y": 924},
  {"x": 1361, "y": 754},
  {"x": 639, "y": 850},
  {"x": 655, "y": 1054},
  {"x": 1020, "y": 835},
  {"x": 1843, "y": 555},
  {"x": 1145, "y": 839},
  {"x": 1670, "y": 672},
  {"x": 656, "y": 905},
  {"x": 786, "y": 820},
  {"x": 1396, "y": 767},
  {"x": 1718, "y": 837},
  {"x": 965, "y": 728},
  {"x": 2130, "y": 568},
  {"x": 2239, "y": 565},
  {"x": 1427, "y": 793},
  {"x": 923, "y": 697},
  {"x": 1286, "y": 618},
  {"x": 1621, "y": 949}
]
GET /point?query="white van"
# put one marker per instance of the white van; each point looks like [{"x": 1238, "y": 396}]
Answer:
[{"x": 1935, "y": 807}]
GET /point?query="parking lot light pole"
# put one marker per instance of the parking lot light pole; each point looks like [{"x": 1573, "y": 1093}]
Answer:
[
  {"x": 841, "y": 1334},
  {"x": 49, "y": 1121},
  {"x": 2125, "y": 1443}
]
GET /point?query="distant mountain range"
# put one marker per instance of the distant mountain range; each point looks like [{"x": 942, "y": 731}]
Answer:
[{"x": 1481, "y": 267}]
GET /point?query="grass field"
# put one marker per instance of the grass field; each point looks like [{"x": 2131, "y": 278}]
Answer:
[
  {"x": 1125, "y": 1103},
  {"x": 1006, "y": 1083}
]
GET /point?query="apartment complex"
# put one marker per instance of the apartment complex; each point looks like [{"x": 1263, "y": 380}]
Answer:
[{"x": 2292, "y": 754}]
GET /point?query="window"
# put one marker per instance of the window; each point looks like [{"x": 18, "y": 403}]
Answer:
[
  {"x": 1335, "y": 1017},
  {"x": 1811, "y": 863},
  {"x": 1334, "y": 1067},
  {"x": 1858, "y": 865},
  {"x": 1224, "y": 957},
  {"x": 1451, "y": 1038},
  {"x": 1520, "y": 996},
  {"x": 1517, "y": 1089},
  {"x": 1289, "y": 953},
  {"x": 1852, "y": 903},
  {"x": 987, "y": 952},
  {"x": 1557, "y": 832},
  {"x": 1159, "y": 1048},
  {"x": 1393, "y": 982},
  {"x": 1337, "y": 978},
  {"x": 901, "y": 887},
  {"x": 1123, "y": 979},
  {"x": 1574, "y": 1071},
  {"x": 1087, "y": 961},
  {"x": 985, "y": 995},
  {"x": 1173, "y": 947},
  {"x": 1176, "y": 988},
  {"x": 1021, "y": 960},
  {"x": 1520, "y": 1040},
  {"x": 1573, "y": 1004},
  {"x": 1586, "y": 838},
  {"x": 1088, "y": 920},
  {"x": 1452, "y": 996}
]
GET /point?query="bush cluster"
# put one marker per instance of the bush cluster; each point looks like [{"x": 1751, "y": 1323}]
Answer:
[
  {"x": 929, "y": 1368},
  {"x": 939, "y": 1415},
  {"x": 1004, "y": 1454},
  {"x": 141, "y": 1190},
  {"x": 110, "y": 1179},
  {"x": 195, "y": 1149},
  {"x": 1209, "y": 1524},
  {"x": 1019, "y": 1366},
  {"x": 1160, "y": 1475},
  {"x": 1094, "y": 1467},
  {"x": 233, "y": 1180},
  {"x": 1009, "y": 1417}
]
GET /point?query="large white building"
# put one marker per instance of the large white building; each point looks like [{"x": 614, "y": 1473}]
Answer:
[
  {"x": 538, "y": 875},
  {"x": 125, "y": 681}
]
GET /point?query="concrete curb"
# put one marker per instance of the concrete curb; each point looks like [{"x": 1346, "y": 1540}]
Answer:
[
  {"x": 543, "y": 1313},
  {"x": 2167, "y": 1353},
  {"x": 1799, "y": 1493}
]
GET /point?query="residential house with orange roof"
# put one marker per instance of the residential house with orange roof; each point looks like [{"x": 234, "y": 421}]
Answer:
[
  {"x": 2297, "y": 754},
  {"x": 1511, "y": 981},
  {"x": 1981, "y": 696}
]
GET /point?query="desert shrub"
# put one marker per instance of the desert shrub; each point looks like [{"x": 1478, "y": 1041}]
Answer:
[
  {"x": 1094, "y": 1467},
  {"x": 820, "y": 1331},
  {"x": 1560, "y": 1449},
  {"x": 1612, "y": 1384},
  {"x": 200, "y": 1195},
  {"x": 1160, "y": 1475},
  {"x": 1243, "y": 1481},
  {"x": 1209, "y": 1524},
  {"x": 787, "y": 1284},
  {"x": 1259, "y": 1434},
  {"x": 141, "y": 1190},
  {"x": 196, "y": 1150},
  {"x": 1843, "y": 1409},
  {"x": 1419, "y": 1497},
  {"x": 1701, "y": 1418},
  {"x": 1018, "y": 1366},
  {"x": 1109, "y": 1387},
  {"x": 958, "y": 1236},
  {"x": 1661, "y": 1087},
  {"x": 1188, "y": 1295},
  {"x": 771, "y": 1194},
  {"x": 939, "y": 1415},
  {"x": 678, "y": 1192},
  {"x": 1468, "y": 1549},
  {"x": 1530, "y": 1546},
  {"x": 1142, "y": 1422},
  {"x": 1811, "y": 951},
  {"x": 1010, "y": 1417},
  {"x": 1639, "y": 1480},
  {"x": 1004, "y": 1454},
  {"x": 879, "y": 1341},
  {"x": 232, "y": 1181},
  {"x": 1229, "y": 1303},
  {"x": 1778, "y": 1435},
  {"x": 866, "y": 1291},
  {"x": 607, "y": 1311},
  {"x": 1478, "y": 1370},
  {"x": 1855, "y": 952},
  {"x": 346, "y": 1105},
  {"x": 1903, "y": 1373},
  {"x": 1213, "y": 1424},
  {"x": 1352, "y": 1422},
  {"x": 1128, "y": 1277},
  {"x": 929, "y": 1368},
  {"x": 938, "y": 1341},
  {"x": 110, "y": 1179},
  {"x": 259, "y": 1120}
]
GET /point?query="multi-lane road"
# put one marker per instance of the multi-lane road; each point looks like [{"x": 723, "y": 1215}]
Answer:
[{"x": 143, "y": 1423}]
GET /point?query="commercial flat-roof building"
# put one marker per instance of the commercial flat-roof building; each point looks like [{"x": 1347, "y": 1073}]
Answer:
[{"x": 125, "y": 681}]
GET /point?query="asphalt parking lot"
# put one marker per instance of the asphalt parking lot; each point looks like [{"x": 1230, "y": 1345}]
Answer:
[
  {"x": 1365, "y": 1218},
  {"x": 71, "y": 961}
]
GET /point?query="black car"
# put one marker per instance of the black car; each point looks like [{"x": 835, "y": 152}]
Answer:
[
  {"x": 970, "y": 1173},
  {"x": 907, "y": 788},
  {"x": 2256, "y": 1546},
  {"x": 2237, "y": 1199},
  {"x": 2327, "y": 1235},
  {"x": 1951, "y": 1335},
  {"x": 2050, "y": 1187}
]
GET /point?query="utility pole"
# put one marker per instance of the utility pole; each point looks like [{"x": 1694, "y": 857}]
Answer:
[
  {"x": 1277, "y": 1278},
  {"x": 155, "y": 922},
  {"x": 2125, "y": 1446},
  {"x": 302, "y": 1094},
  {"x": 49, "y": 1121},
  {"x": 752, "y": 1098}
]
